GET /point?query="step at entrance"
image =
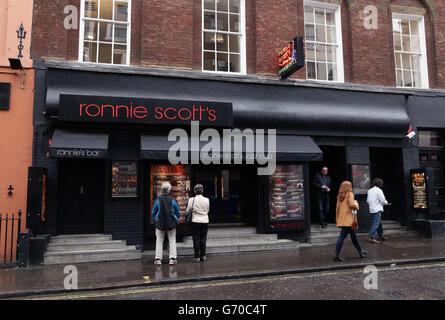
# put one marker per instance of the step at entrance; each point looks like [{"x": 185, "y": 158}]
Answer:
[
  {"x": 67, "y": 249},
  {"x": 329, "y": 235}
]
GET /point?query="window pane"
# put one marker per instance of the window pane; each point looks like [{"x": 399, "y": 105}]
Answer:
[
  {"x": 234, "y": 43},
  {"x": 309, "y": 32},
  {"x": 209, "y": 41},
  {"x": 120, "y": 33},
  {"x": 121, "y": 11},
  {"x": 330, "y": 17},
  {"x": 397, "y": 43},
  {"x": 234, "y": 6},
  {"x": 222, "y": 42},
  {"x": 120, "y": 54},
  {"x": 320, "y": 54},
  {"x": 89, "y": 51},
  {"x": 415, "y": 44},
  {"x": 331, "y": 54},
  {"x": 90, "y": 30},
  {"x": 104, "y": 53},
  {"x": 319, "y": 16},
  {"x": 209, "y": 4},
  {"x": 417, "y": 80},
  {"x": 331, "y": 36},
  {"x": 223, "y": 62},
  {"x": 310, "y": 70},
  {"x": 106, "y": 10},
  {"x": 223, "y": 22},
  {"x": 399, "y": 78},
  {"x": 235, "y": 65},
  {"x": 407, "y": 79},
  {"x": 106, "y": 32},
  {"x": 406, "y": 43},
  {"x": 414, "y": 27},
  {"x": 320, "y": 33},
  {"x": 415, "y": 62},
  {"x": 209, "y": 61},
  {"x": 332, "y": 72},
  {"x": 321, "y": 71},
  {"x": 310, "y": 52},
  {"x": 396, "y": 28},
  {"x": 234, "y": 23},
  {"x": 406, "y": 61},
  {"x": 405, "y": 27},
  {"x": 398, "y": 57},
  {"x": 91, "y": 9},
  {"x": 308, "y": 14},
  {"x": 209, "y": 20},
  {"x": 222, "y": 5}
]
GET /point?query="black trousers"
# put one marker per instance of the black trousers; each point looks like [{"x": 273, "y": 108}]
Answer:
[
  {"x": 199, "y": 233},
  {"x": 341, "y": 238}
]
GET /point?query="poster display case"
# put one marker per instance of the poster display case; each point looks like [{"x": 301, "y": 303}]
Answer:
[
  {"x": 179, "y": 178},
  {"x": 124, "y": 179},
  {"x": 361, "y": 178},
  {"x": 287, "y": 209},
  {"x": 419, "y": 190}
]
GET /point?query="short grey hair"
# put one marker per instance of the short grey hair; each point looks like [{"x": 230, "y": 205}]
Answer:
[
  {"x": 199, "y": 189},
  {"x": 166, "y": 187}
]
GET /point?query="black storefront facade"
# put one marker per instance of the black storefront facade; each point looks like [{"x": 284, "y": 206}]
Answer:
[{"x": 104, "y": 164}]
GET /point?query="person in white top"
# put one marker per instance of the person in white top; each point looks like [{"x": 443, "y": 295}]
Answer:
[
  {"x": 376, "y": 200},
  {"x": 200, "y": 220}
]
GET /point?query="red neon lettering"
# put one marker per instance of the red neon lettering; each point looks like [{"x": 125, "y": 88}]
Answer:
[
  {"x": 107, "y": 106},
  {"x": 92, "y": 105},
  {"x": 142, "y": 110},
  {"x": 165, "y": 114},
  {"x": 190, "y": 114},
  {"x": 120, "y": 107},
  {"x": 80, "y": 109}
]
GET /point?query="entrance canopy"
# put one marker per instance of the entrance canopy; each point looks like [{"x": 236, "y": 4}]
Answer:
[
  {"x": 78, "y": 144},
  {"x": 287, "y": 148}
]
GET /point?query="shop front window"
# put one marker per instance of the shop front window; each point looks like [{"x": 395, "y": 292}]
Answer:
[
  {"x": 105, "y": 31},
  {"x": 430, "y": 139}
]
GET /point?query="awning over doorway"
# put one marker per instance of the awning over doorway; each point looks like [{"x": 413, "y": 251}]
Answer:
[
  {"x": 78, "y": 144},
  {"x": 288, "y": 148}
]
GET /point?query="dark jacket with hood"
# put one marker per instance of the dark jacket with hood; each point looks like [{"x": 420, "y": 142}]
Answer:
[{"x": 165, "y": 212}]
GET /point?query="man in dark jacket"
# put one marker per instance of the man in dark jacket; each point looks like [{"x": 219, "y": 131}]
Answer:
[
  {"x": 323, "y": 184},
  {"x": 166, "y": 214}
]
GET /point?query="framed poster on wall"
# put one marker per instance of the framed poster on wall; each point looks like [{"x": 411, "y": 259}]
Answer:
[
  {"x": 124, "y": 179},
  {"x": 361, "y": 178}
]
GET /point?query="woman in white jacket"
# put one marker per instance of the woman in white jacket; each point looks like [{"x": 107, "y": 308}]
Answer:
[{"x": 200, "y": 221}]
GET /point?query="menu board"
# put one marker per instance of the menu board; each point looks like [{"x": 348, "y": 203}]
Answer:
[
  {"x": 179, "y": 178},
  {"x": 419, "y": 191},
  {"x": 286, "y": 193},
  {"x": 124, "y": 179},
  {"x": 361, "y": 179}
]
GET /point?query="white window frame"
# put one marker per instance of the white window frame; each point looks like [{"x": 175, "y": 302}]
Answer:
[
  {"x": 423, "y": 52},
  {"x": 242, "y": 34},
  {"x": 338, "y": 31},
  {"x": 83, "y": 19}
]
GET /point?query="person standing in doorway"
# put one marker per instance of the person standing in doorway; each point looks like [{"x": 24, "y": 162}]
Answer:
[
  {"x": 166, "y": 214},
  {"x": 323, "y": 183},
  {"x": 346, "y": 219},
  {"x": 199, "y": 207},
  {"x": 376, "y": 200}
]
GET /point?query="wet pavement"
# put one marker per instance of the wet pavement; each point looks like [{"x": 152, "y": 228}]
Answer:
[{"x": 16, "y": 282}]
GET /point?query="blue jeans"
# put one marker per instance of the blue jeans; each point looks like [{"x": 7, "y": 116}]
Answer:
[
  {"x": 341, "y": 238},
  {"x": 376, "y": 227},
  {"x": 323, "y": 205}
]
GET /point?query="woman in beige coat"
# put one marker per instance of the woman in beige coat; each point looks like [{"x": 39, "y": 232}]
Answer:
[{"x": 346, "y": 219}]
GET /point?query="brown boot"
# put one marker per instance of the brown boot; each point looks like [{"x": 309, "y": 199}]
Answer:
[
  {"x": 373, "y": 240},
  {"x": 382, "y": 238}
]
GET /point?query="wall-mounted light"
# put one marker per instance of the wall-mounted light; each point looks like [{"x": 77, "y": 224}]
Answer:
[
  {"x": 10, "y": 188},
  {"x": 16, "y": 64}
]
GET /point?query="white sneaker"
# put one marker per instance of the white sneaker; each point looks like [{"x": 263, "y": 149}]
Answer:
[
  {"x": 173, "y": 261},
  {"x": 158, "y": 262}
]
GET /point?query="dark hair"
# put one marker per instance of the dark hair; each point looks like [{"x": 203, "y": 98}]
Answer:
[
  {"x": 377, "y": 182},
  {"x": 198, "y": 189}
]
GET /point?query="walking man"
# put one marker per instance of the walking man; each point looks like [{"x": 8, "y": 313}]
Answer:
[
  {"x": 376, "y": 200},
  {"x": 166, "y": 214},
  {"x": 323, "y": 183}
]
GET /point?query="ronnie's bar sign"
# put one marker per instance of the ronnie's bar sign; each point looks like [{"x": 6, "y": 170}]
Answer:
[{"x": 140, "y": 110}]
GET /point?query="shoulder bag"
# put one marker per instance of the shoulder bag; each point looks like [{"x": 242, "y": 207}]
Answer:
[{"x": 189, "y": 217}]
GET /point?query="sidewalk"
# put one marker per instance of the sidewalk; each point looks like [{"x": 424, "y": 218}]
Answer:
[{"x": 17, "y": 282}]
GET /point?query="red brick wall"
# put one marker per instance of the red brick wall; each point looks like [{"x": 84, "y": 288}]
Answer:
[{"x": 168, "y": 34}]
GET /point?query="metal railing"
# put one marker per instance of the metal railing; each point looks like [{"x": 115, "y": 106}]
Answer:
[{"x": 10, "y": 226}]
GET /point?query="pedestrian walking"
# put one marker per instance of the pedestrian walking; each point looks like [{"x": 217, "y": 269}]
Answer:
[
  {"x": 323, "y": 184},
  {"x": 376, "y": 200},
  {"x": 166, "y": 214},
  {"x": 346, "y": 219},
  {"x": 198, "y": 207}
]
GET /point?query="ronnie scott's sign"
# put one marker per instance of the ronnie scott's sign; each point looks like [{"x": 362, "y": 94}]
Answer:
[{"x": 141, "y": 110}]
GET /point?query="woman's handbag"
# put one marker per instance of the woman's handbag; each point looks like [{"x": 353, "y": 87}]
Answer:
[
  {"x": 188, "y": 219},
  {"x": 354, "y": 222}
]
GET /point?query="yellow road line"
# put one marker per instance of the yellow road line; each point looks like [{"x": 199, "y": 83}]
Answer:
[{"x": 122, "y": 292}]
